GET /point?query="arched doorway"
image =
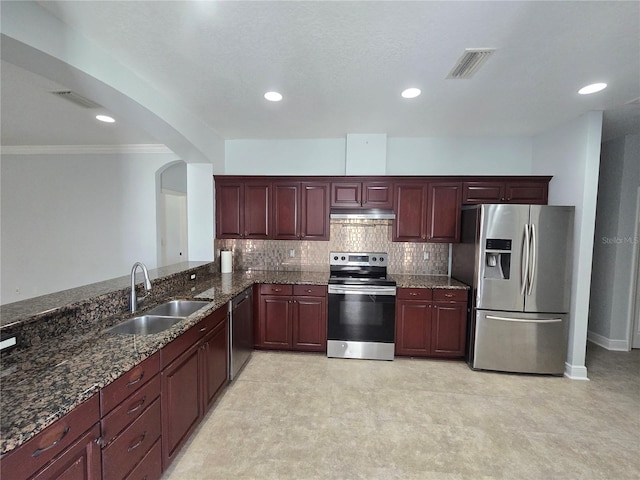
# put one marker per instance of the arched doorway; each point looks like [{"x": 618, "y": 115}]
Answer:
[{"x": 171, "y": 213}]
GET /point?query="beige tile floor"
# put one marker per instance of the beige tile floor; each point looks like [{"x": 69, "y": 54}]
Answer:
[{"x": 305, "y": 416}]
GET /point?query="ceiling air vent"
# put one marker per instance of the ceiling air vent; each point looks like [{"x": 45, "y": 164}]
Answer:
[
  {"x": 73, "y": 97},
  {"x": 470, "y": 61}
]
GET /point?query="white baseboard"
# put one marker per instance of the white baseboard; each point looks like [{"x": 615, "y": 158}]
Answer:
[
  {"x": 575, "y": 372},
  {"x": 613, "y": 345}
]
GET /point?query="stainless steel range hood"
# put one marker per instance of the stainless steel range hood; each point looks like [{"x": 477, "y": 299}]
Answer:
[{"x": 362, "y": 214}]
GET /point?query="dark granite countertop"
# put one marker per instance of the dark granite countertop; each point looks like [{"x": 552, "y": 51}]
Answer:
[
  {"x": 427, "y": 281},
  {"x": 44, "y": 382}
]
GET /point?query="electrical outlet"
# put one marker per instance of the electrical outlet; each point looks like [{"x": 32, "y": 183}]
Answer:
[
  {"x": 292, "y": 253},
  {"x": 193, "y": 276},
  {"x": 427, "y": 255}
]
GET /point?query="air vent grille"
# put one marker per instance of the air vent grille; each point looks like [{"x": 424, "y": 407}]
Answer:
[
  {"x": 73, "y": 97},
  {"x": 470, "y": 62}
]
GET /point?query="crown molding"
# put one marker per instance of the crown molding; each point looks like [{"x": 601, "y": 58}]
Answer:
[{"x": 84, "y": 149}]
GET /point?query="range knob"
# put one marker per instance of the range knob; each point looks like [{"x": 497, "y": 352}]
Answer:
[
  {"x": 373, "y": 259},
  {"x": 382, "y": 259},
  {"x": 335, "y": 257},
  {"x": 343, "y": 258}
]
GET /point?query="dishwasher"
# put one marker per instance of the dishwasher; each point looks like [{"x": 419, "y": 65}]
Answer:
[{"x": 240, "y": 331}]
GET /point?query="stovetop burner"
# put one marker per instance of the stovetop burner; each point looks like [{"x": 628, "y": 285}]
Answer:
[{"x": 359, "y": 268}]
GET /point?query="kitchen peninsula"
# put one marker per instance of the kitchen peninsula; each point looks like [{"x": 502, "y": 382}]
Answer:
[{"x": 65, "y": 358}]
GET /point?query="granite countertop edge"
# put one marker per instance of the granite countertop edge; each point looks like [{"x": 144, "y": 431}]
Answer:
[{"x": 43, "y": 383}]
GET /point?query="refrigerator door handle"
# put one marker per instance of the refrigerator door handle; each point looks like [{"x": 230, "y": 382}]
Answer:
[
  {"x": 524, "y": 320},
  {"x": 532, "y": 263},
  {"x": 524, "y": 261}
]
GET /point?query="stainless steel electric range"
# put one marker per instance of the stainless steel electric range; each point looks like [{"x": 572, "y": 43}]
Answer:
[{"x": 362, "y": 304}]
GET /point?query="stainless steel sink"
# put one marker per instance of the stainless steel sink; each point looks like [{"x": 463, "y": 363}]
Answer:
[
  {"x": 144, "y": 325},
  {"x": 178, "y": 308}
]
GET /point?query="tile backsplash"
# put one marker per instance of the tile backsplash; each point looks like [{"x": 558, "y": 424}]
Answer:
[{"x": 346, "y": 235}]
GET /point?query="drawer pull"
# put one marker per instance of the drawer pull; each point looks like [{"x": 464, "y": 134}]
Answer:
[
  {"x": 413, "y": 294},
  {"x": 448, "y": 295},
  {"x": 203, "y": 329},
  {"x": 137, "y": 407},
  {"x": 133, "y": 382},
  {"x": 42, "y": 450},
  {"x": 133, "y": 447}
]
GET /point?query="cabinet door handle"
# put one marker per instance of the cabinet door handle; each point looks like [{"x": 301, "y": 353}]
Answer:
[
  {"x": 133, "y": 447},
  {"x": 203, "y": 329},
  {"x": 138, "y": 406},
  {"x": 133, "y": 382},
  {"x": 56, "y": 442}
]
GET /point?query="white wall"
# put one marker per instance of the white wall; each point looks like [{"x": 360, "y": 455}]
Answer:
[
  {"x": 200, "y": 211},
  {"x": 405, "y": 156},
  {"x": 571, "y": 153},
  {"x": 612, "y": 288},
  {"x": 285, "y": 157},
  {"x": 459, "y": 156},
  {"x": 76, "y": 219}
]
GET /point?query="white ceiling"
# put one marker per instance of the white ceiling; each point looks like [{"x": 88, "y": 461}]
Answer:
[{"x": 341, "y": 67}]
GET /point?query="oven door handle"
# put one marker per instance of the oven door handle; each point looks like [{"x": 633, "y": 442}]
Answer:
[{"x": 370, "y": 290}]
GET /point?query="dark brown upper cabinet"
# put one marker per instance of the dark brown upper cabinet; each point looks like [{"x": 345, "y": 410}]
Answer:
[
  {"x": 427, "y": 212},
  {"x": 243, "y": 209},
  {"x": 526, "y": 190},
  {"x": 300, "y": 210},
  {"x": 370, "y": 194}
]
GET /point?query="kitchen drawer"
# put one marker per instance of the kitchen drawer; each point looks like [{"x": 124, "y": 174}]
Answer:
[
  {"x": 449, "y": 295},
  {"x": 124, "y": 453},
  {"x": 35, "y": 453},
  {"x": 270, "y": 289},
  {"x": 116, "y": 392},
  {"x": 414, "y": 293},
  {"x": 177, "y": 347},
  {"x": 150, "y": 467},
  {"x": 310, "y": 290},
  {"x": 130, "y": 409}
]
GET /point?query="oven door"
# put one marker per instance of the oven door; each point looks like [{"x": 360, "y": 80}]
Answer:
[{"x": 362, "y": 313}]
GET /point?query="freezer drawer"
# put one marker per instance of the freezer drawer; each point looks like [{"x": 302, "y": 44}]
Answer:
[{"x": 520, "y": 342}]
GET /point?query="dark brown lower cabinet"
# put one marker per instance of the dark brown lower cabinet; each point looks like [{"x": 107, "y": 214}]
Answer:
[
  {"x": 215, "y": 363},
  {"x": 123, "y": 454},
  {"x": 309, "y": 323},
  {"x": 67, "y": 449},
  {"x": 292, "y": 317},
  {"x": 194, "y": 372},
  {"x": 431, "y": 323},
  {"x": 181, "y": 409},
  {"x": 131, "y": 423},
  {"x": 81, "y": 461}
]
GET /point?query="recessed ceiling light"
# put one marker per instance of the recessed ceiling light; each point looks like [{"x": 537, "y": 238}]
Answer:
[
  {"x": 593, "y": 88},
  {"x": 105, "y": 118},
  {"x": 411, "y": 93},
  {"x": 273, "y": 96}
]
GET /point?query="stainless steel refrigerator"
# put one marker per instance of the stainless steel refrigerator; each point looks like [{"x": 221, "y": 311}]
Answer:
[{"x": 518, "y": 261}]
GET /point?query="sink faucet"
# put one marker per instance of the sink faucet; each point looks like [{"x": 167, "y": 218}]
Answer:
[{"x": 133, "y": 303}]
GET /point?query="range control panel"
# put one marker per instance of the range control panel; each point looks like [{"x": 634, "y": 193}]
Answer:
[{"x": 360, "y": 259}]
